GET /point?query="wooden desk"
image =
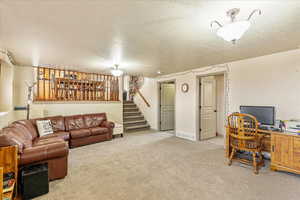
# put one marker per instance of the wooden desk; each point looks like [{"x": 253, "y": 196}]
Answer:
[{"x": 284, "y": 148}]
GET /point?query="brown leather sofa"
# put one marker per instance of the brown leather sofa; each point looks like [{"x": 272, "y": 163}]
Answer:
[
  {"x": 87, "y": 129},
  {"x": 75, "y": 130},
  {"x": 33, "y": 149}
]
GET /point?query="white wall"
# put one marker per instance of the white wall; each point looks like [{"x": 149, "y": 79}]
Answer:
[
  {"x": 6, "y": 118},
  {"x": 185, "y": 117},
  {"x": 149, "y": 92},
  {"x": 6, "y": 87},
  {"x": 6, "y": 93},
  {"x": 22, "y": 74},
  {"x": 267, "y": 80}
]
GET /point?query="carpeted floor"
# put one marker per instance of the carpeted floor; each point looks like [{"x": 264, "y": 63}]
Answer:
[{"x": 159, "y": 166}]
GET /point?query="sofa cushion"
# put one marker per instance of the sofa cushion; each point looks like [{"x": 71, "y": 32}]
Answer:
[
  {"x": 44, "y": 152},
  {"x": 94, "y": 120},
  {"x": 74, "y": 122},
  {"x": 99, "y": 130},
  {"x": 58, "y": 123},
  {"x": 21, "y": 133},
  {"x": 80, "y": 133},
  {"x": 45, "y": 141},
  {"x": 63, "y": 134},
  {"x": 30, "y": 127}
]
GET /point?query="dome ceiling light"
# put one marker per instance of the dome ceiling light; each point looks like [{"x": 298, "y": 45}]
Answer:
[
  {"x": 116, "y": 71},
  {"x": 235, "y": 30}
]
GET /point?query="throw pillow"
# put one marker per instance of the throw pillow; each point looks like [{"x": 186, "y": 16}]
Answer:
[{"x": 44, "y": 127}]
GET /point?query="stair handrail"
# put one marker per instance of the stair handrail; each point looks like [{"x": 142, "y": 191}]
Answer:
[{"x": 142, "y": 96}]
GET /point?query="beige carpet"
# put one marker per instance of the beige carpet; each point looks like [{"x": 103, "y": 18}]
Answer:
[{"x": 159, "y": 166}]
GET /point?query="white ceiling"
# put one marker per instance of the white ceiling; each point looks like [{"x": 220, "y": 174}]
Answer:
[{"x": 143, "y": 36}]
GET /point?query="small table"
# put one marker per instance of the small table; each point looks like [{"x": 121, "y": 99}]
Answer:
[{"x": 118, "y": 130}]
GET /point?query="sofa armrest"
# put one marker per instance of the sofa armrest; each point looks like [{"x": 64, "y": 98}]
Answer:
[
  {"x": 44, "y": 152},
  {"x": 5, "y": 140},
  {"x": 107, "y": 124}
]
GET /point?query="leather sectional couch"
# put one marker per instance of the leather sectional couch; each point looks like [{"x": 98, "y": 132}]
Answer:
[{"x": 73, "y": 131}]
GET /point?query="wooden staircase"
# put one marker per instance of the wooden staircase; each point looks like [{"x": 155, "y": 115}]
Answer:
[{"x": 133, "y": 118}]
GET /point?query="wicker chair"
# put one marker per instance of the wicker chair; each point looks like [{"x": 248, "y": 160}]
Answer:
[{"x": 242, "y": 131}]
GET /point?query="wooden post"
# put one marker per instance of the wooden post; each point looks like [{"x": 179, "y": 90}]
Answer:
[{"x": 1, "y": 182}]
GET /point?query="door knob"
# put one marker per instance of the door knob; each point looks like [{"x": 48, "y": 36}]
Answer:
[{"x": 215, "y": 110}]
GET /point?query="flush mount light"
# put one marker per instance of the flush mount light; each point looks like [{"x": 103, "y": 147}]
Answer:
[
  {"x": 116, "y": 71},
  {"x": 158, "y": 72},
  {"x": 235, "y": 30}
]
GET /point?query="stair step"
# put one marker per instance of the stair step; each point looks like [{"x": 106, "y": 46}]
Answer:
[
  {"x": 134, "y": 123},
  {"x": 131, "y": 114},
  {"x": 137, "y": 128},
  {"x": 128, "y": 102},
  {"x": 133, "y": 118},
  {"x": 130, "y": 109},
  {"x": 129, "y": 106}
]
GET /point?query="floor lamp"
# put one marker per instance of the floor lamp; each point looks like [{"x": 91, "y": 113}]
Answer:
[{"x": 29, "y": 98}]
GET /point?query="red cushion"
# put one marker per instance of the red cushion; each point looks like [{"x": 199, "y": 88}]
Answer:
[
  {"x": 80, "y": 133},
  {"x": 74, "y": 122},
  {"x": 61, "y": 134},
  {"x": 94, "y": 120},
  {"x": 99, "y": 130},
  {"x": 45, "y": 141}
]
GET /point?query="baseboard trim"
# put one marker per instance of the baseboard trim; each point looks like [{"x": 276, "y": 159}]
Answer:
[{"x": 185, "y": 135}]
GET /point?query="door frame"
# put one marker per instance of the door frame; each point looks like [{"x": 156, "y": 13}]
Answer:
[
  {"x": 159, "y": 103},
  {"x": 226, "y": 99}
]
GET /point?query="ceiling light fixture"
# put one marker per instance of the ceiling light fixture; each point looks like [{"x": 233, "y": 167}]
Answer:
[
  {"x": 235, "y": 30},
  {"x": 116, "y": 71}
]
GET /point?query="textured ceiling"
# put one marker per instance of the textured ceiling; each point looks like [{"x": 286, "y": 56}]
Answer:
[{"x": 143, "y": 36}]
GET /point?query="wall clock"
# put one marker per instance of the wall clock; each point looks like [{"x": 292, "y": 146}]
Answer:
[{"x": 184, "y": 87}]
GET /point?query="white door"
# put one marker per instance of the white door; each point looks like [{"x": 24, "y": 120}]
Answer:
[
  {"x": 167, "y": 106},
  {"x": 208, "y": 105}
]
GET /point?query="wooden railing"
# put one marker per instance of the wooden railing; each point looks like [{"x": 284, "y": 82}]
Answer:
[
  {"x": 67, "y": 85},
  {"x": 144, "y": 99}
]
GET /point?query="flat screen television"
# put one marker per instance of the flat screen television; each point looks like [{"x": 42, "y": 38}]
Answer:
[{"x": 265, "y": 115}]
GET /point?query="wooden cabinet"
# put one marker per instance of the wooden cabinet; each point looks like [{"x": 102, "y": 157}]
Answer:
[
  {"x": 1, "y": 183},
  {"x": 9, "y": 164},
  {"x": 296, "y": 153},
  {"x": 285, "y": 152}
]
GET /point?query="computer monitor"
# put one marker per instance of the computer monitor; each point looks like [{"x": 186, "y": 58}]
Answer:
[{"x": 264, "y": 114}]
